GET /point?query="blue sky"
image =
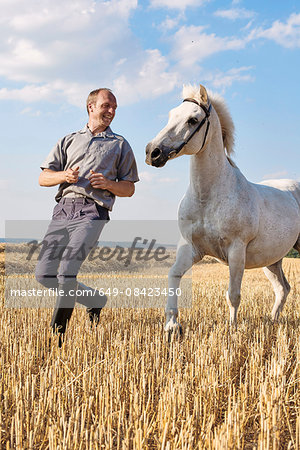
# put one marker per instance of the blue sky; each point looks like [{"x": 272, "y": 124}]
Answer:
[{"x": 53, "y": 53}]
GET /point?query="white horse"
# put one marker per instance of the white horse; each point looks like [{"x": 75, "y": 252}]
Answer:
[{"x": 222, "y": 214}]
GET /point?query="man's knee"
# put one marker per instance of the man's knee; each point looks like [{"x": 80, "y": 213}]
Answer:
[{"x": 46, "y": 280}]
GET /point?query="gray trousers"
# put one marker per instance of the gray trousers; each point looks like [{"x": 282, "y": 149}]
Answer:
[{"x": 73, "y": 232}]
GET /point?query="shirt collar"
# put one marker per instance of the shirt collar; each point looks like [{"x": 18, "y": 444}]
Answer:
[{"x": 107, "y": 133}]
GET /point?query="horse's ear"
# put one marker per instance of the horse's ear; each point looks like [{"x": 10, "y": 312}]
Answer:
[{"x": 203, "y": 95}]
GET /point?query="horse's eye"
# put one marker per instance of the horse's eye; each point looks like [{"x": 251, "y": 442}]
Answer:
[{"x": 192, "y": 121}]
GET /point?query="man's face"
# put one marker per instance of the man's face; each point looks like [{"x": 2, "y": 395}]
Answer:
[{"x": 103, "y": 111}]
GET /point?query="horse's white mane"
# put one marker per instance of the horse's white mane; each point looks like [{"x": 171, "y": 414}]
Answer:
[{"x": 221, "y": 109}]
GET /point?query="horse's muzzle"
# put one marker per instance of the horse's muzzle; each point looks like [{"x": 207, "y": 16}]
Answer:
[{"x": 156, "y": 157}]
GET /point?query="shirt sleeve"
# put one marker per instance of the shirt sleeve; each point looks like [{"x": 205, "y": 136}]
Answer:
[
  {"x": 127, "y": 168},
  {"x": 56, "y": 159}
]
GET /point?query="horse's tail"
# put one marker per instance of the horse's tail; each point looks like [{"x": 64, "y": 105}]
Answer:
[
  {"x": 296, "y": 194},
  {"x": 295, "y": 191}
]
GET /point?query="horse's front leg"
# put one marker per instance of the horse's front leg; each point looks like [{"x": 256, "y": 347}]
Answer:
[
  {"x": 236, "y": 262},
  {"x": 184, "y": 261}
]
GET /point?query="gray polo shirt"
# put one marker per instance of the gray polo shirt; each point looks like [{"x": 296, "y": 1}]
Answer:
[{"x": 106, "y": 152}]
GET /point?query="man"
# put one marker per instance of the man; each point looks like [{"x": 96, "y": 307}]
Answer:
[{"x": 91, "y": 166}]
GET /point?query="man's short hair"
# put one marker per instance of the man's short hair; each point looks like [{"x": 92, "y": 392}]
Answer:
[{"x": 92, "y": 98}]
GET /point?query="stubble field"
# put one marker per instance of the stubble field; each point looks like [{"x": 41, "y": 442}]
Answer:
[{"x": 122, "y": 385}]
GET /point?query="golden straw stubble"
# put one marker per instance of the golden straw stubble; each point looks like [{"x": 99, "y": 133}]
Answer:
[{"x": 122, "y": 385}]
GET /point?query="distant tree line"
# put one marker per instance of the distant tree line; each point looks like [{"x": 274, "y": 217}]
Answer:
[{"x": 293, "y": 254}]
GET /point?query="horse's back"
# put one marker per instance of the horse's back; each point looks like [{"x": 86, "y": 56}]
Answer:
[{"x": 285, "y": 185}]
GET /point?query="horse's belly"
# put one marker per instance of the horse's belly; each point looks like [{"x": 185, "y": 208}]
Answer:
[
  {"x": 270, "y": 246},
  {"x": 279, "y": 227}
]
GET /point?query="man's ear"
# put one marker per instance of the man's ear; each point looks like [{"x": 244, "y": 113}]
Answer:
[
  {"x": 90, "y": 107},
  {"x": 203, "y": 95}
]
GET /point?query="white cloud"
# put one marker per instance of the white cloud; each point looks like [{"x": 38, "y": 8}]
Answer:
[
  {"x": 147, "y": 177},
  {"x": 168, "y": 180},
  {"x": 45, "y": 40},
  {"x": 74, "y": 93},
  {"x": 60, "y": 51},
  {"x": 147, "y": 76},
  {"x": 28, "y": 94},
  {"x": 30, "y": 112},
  {"x": 153, "y": 79},
  {"x": 285, "y": 34},
  {"x": 169, "y": 23},
  {"x": 223, "y": 80},
  {"x": 248, "y": 25},
  {"x": 5, "y": 184},
  {"x": 191, "y": 45},
  {"x": 280, "y": 174},
  {"x": 68, "y": 16},
  {"x": 153, "y": 177},
  {"x": 63, "y": 50},
  {"x": 234, "y": 13},
  {"x": 176, "y": 4}
]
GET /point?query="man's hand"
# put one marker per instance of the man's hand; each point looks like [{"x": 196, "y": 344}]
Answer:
[
  {"x": 98, "y": 181},
  {"x": 72, "y": 175},
  {"x": 119, "y": 188},
  {"x": 50, "y": 177}
]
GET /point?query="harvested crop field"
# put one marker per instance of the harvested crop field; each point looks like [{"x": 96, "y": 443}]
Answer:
[{"x": 122, "y": 385}]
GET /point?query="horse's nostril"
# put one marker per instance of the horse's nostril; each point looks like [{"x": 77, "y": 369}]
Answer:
[{"x": 156, "y": 153}]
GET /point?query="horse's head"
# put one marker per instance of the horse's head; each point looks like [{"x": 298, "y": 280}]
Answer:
[{"x": 186, "y": 131}]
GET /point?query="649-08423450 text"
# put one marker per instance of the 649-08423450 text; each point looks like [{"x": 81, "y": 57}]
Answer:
[{"x": 111, "y": 292}]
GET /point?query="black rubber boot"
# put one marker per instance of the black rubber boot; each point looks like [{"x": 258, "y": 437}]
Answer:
[
  {"x": 63, "y": 309},
  {"x": 94, "y": 303},
  {"x": 94, "y": 314}
]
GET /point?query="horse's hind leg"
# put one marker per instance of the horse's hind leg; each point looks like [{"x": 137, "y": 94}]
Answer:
[
  {"x": 280, "y": 286},
  {"x": 297, "y": 245},
  {"x": 184, "y": 261}
]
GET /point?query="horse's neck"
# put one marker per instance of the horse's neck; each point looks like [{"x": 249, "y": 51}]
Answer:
[{"x": 210, "y": 169}]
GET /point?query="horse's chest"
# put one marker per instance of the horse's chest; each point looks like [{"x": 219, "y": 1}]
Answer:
[{"x": 208, "y": 238}]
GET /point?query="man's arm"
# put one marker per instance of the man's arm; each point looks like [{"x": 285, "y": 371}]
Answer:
[
  {"x": 118, "y": 188},
  {"x": 50, "y": 177}
]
